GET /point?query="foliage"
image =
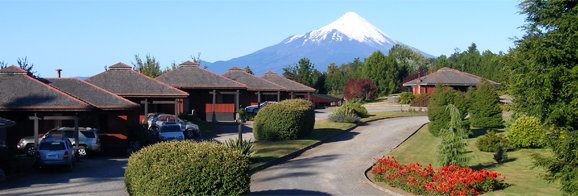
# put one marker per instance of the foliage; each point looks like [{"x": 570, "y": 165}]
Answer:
[
  {"x": 357, "y": 108},
  {"x": 248, "y": 70},
  {"x": 562, "y": 166},
  {"x": 526, "y": 132},
  {"x": 304, "y": 72},
  {"x": 243, "y": 146},
  {"x": 187, "y": 168},
  {"x": 344, "y": 116},
  {"x": 286, "y": 120},
  {"x": 363, "y": 89},
  {"x": 486, "y": 64},
  {"x": 501, "y": 154},
  {"x": 383, "y": 71},
  {"x": 3, "y": 65},
  {"x": 490, "y": 141},
  {"x": 447, "y": 180},
  {"x": 25, "y": 65},
  {"x": 337, "y": 76},
  {"x": 484, "y": 107},
  {"x": 421, "y": 100},
  {"x": 406, "y": 97},
  {"x": 437, "y": 113},
  {"x": 452, "y": 149},
  {"x": 149, "y": 66}
]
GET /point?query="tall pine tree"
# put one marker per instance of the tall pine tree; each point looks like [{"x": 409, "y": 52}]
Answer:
[
  {"x": 452, "y": 149},
  {"x": 485, "y": 111}
]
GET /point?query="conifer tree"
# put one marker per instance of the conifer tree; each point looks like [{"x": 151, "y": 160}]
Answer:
[
  {"x": 437, "y": 113},
  {"x": 453, "y": 146},
  {"x": 484, "y": 109}
]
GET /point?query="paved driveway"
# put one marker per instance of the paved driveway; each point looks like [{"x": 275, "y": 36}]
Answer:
[
  {"x": 337, "y": 167},
  {"x": 93, "y": 176},
  {"x": 322, "y": 114}
]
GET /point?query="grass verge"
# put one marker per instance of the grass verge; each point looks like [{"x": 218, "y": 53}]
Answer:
[
  {"x": 269, "y": 150},
  {"x": 518, "y": 169}
]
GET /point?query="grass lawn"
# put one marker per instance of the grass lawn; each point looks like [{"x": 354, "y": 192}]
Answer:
[
  {"x": 324, "y": 129},
  {"x": 518, "y": 170}
]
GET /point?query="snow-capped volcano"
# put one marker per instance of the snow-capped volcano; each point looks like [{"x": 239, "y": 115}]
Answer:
[
  {"x": 347, "y": 38},
  {"x": 348, "y": 27}
]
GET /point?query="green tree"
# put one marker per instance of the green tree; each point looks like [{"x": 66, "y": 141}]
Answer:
[
  {"x": 452, "y": 149},
  {"x": 485, "y": 111},
  {"x": 337, "y": 76},
  {"x": 148, "y": 66},
  {"x": 248, "y": 70},
  {"x": 383, "y": 71},
  {"x": 303, "y": 72},
  {"x": 543, "y": 79},
  {"x": 439, "y": 116},
  {"x": 25, "y": 65}
]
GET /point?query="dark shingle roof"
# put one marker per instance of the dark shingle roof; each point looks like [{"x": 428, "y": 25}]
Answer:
[
  {"x": 22, "y": 92},
  {"x": 5, "y": 122},
  {"x": 449, "y": 77},
  {"x": 120, "y": 79},
  {"x": 287, "y": 83},
  {"x": 190, "y": 76},
  {"x": 91, "y": 93},
  {"x": 253, "y": 82}
]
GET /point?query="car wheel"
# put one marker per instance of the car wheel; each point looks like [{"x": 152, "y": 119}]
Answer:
[
  {"x": 30, "y": 150},
  {"x": 81, "y": 151}
]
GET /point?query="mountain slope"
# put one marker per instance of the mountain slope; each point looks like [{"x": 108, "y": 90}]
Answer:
[{"x": 349, "y": 37}]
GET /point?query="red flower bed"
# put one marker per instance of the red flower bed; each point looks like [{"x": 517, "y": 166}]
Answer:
[{"x": 450, "y": 180}]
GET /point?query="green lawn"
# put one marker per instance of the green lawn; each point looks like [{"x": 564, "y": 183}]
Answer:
[
  {"x": 324, "y": 129},
  {"x": 519, "y": 171}
]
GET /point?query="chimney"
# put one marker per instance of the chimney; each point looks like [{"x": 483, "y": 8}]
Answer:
[{"x": 58, "y": 71}]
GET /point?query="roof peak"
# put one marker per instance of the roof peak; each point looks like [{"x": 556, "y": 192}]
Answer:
[
  {"x": 13, "y": 69},
  {"x": 189, "y": 63},
  {"x": 120, "y": 65}
]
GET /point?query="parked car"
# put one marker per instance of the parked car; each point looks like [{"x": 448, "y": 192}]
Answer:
[
  {"x": 56, "y": 151},
  {"x": 255, "y": 108},
  {"x": 88, "y": 140},
  {"x": 189, "y": 129},
  {"x": 170, "y": 131}
]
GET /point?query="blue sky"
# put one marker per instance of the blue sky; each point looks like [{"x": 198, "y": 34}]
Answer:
[{"x": 82, "y": 37}]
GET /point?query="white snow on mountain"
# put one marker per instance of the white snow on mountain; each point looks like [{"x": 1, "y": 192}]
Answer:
[{"x": 350, "y": 26}]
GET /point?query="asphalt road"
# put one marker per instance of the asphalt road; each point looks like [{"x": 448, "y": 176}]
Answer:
[
  {"x": 322, "y": 114},
  {"x": 92, "y": 176},
  {"x": 337, "y": 167}
]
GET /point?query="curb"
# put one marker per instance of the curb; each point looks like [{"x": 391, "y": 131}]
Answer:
[{"x": 301, "y": 151}]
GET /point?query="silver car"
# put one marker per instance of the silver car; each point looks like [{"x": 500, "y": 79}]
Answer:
[
  {"x": 170, "y": 131},
  {"x": 56, "y": 151},
  {"x": 155, "y": 121},
  {"x": 88, "y": 140}
]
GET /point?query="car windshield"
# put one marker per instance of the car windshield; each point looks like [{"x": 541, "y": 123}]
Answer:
[
  {"x": 170, "y": 129},
  {"x": 70, "y": 134},
  {"x": 51, "y": 146},
  {"x": 166, "y": 118}
]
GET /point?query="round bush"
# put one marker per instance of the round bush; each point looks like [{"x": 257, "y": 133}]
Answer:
[
  {"x": 526, "y": 132},
  {"x": 286, "y": 120},
  {"x": 357, "y": 108},
  {"x": 490, "y": 141},
  {"x": 342, "y": 115},
  {"x": 187, "y": 168},
  {"x": 406, "y": 97}
]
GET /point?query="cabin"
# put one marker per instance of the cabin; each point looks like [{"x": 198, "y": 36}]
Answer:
[
  {"x": 446, "y": 77},
  {"x": 153, "y": 95},
  {"x": 211, "y": 97},
  {"x": 258, "y": 89}
]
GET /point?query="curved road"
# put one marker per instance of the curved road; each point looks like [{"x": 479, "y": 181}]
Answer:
[{"x": 337, "y": 167}]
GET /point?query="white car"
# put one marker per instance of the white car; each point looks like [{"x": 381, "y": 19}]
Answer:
[
  {"x": 170, "y": 131},
  {"x": 255, "y": 108}
]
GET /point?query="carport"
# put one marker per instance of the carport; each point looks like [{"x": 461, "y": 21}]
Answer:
[
  {"x": 258, "y": 89},
  {"x": 294, "y": 89}
]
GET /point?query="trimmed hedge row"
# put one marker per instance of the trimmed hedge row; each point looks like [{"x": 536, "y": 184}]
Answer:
[
  {"x": 286, "y": 120},
  {"x": 187, "y": 168}
]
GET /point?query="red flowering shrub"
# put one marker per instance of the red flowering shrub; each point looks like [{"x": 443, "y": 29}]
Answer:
[
  {"x": 359, "y": 88},
  {"x": 449, "y": 180}
]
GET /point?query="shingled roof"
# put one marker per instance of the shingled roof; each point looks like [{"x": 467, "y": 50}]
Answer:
[
  {"x": 253, "y": 82},
  {"x": 120, "y": 79},
  {"x": 190, "y": 76},
  {"x": 22, "y": 92},
  {"x": 91, "y": 93},
  {"x": 287, "y": 83},
  {"x": 449, "y": 77}
]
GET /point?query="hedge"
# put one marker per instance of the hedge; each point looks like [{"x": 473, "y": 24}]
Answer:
[
  {"x": 187, "y": 168},
  {"x": 286, "y": 120}
]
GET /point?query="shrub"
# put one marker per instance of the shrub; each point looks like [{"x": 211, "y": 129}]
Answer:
[
  {"x": 490, "y": 141},
  {"x": 421, "y": 100},
  {"x": 359, "y": 88},
  {"x": 357, "y": 108},
  {"x": 187, "y": 168},
  {"x": 286, "y": 120},
  {"x": 342, "y": 115},
  {"x": 243, "y": 146},
  {"x": 526, "y": 132},
  {"x": 406, "y": 98},
  {"x": 500, "y": 155},
  {"x": 452, "y": 149},
  {"x": 484, "y": 107},
  {"x": 437, "y": 113},
  {"x": 448, "y": 180}
]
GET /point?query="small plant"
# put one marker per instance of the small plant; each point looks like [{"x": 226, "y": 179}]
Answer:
[
  {"x": 243, "y": 146},
  {"x": 421, "y": 100},
  {"x": 527, "y": 132},
  {"x": 500, "y": 155},
  {"x": 344, "y": 116},
  {"x": 490, "y": 141},
  {"x": 406, "y": 98},
  {"x": 357, "y": 108}
]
